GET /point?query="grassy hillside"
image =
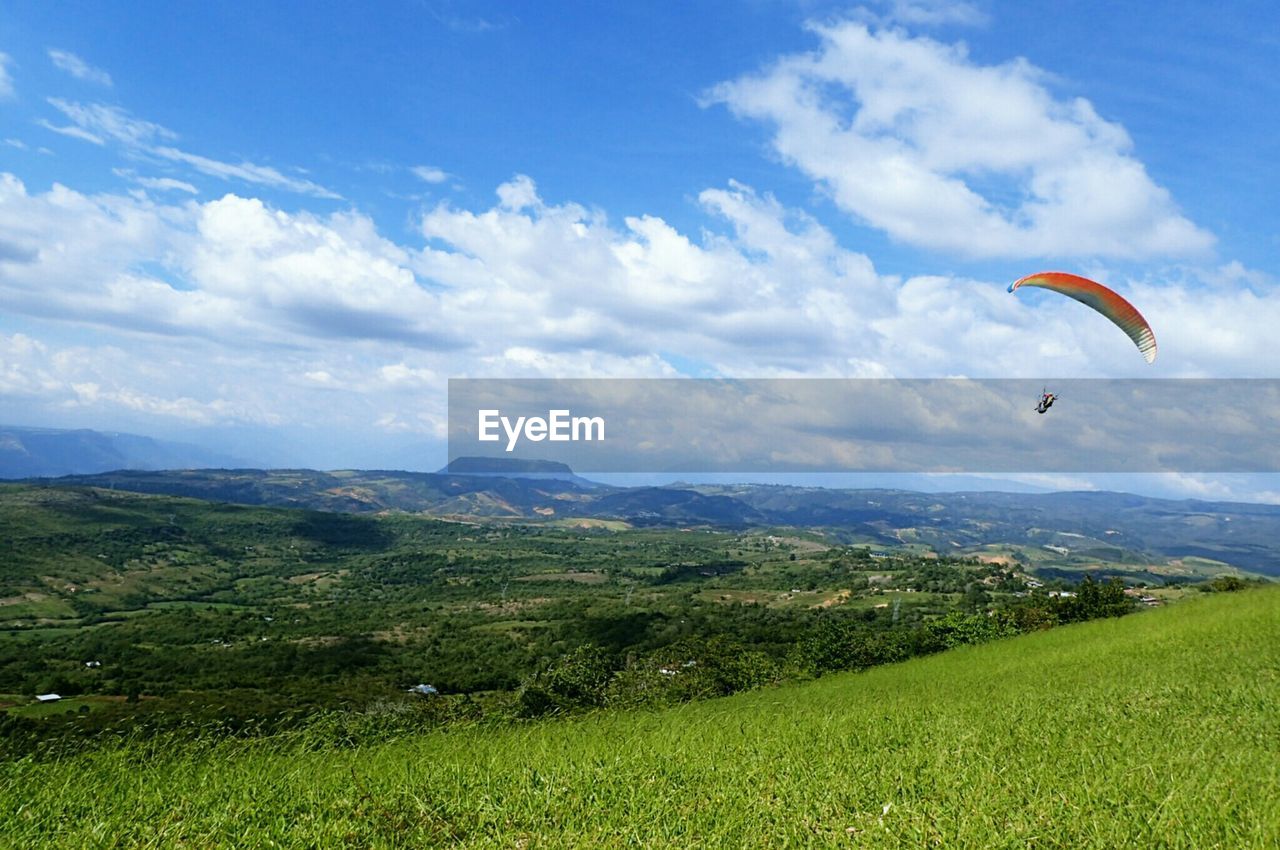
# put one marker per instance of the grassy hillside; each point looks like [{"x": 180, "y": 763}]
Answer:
[{"x": 1156, "y": 730}]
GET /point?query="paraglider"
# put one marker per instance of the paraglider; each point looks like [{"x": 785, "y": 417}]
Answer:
[
  {"x": 1046, "y": 400},
  {"x": 1106, "y": 301}
]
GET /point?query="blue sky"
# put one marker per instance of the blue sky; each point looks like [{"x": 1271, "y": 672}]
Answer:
[{"x": 280, "y": 228}]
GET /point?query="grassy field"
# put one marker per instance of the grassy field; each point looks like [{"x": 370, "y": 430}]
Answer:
[{"x": 1155, "y": 730}]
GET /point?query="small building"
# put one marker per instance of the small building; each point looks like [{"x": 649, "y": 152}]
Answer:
[
  {"x": 47, "y": 697},
  {"x": 93, "y": 665},
  {"x": 424, "y": 690}
]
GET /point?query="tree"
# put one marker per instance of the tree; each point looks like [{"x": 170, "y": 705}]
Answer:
[
  {"x": 578, "y": 680},
  {"x": 1094, "y": 600},
  {"x": 842, "y": 645},
  {"x": 1225, "y": 584}
]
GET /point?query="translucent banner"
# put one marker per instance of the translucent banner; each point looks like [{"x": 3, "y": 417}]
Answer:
[{"x": 836, "y": 425}]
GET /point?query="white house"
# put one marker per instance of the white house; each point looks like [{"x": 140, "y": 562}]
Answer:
[{"x": 47, "y": 697}]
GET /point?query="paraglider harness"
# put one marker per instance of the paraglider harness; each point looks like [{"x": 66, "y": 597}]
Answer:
[{"x": 1046, "y": 401}]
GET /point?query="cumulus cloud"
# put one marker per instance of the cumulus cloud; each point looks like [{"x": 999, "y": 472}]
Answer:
[
  {"x": 559, "y": 289},
  {"x": 233, "y": 270},
  {"x": 909, "y": 135},
  {"x": 564, "y": 279},
  {"x": 235, "y": 310},
  {"x": 97, "y": 123},
  {"x": 329, "y": 278},
  {"x": 65, "y": 60}
]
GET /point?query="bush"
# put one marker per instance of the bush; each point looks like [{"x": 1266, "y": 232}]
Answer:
[
  {"x": 957, "y": 629},
  {"x": 578, "y": 680}
]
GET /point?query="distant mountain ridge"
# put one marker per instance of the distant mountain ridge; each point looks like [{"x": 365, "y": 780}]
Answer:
[
  {"x": 47, "y": 452},
  {"x": 1114, "y": 528}
]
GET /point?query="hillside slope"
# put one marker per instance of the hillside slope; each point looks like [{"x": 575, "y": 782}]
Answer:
[{"x": 1160, "y": 729}]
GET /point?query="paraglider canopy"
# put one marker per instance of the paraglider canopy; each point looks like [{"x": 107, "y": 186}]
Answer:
[{"x": 1106, "y": 301}]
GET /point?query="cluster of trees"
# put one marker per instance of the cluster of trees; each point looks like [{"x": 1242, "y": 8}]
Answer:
[
  {"x": 590, "y": 677},
  {"x": 625, "y": 661},
  {"x": 1228, "y": 584},
  {"x": 690, "y": 669}
]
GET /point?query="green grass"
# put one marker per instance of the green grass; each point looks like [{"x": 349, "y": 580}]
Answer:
[{"x": 1157, "y": 730}]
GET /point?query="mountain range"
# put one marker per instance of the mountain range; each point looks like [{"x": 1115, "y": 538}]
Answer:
[
  {"x": 35, "y": 452},
  {"x": 1071, "y": 530}
]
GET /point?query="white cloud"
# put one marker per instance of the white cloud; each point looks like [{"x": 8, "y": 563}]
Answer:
[
  {"x": 908, "y": 135},
  {"x": 325, "y": 278},
  {"x": 72, "y": 131},
  {"x": 166, "y": 184},
  {"x": 472, "y": 25},
  {"x": 182, "y": 408},
  {"x": 401, "y": 374},
  {"x": 1229, "y": 488},
  {"x": 21, "y": 372},
  {"x": 6, "y": 80},
  {"x": 286, "y": 309},
  {"x": 112, "y": 122},
  {"x": 67, "y": 61},
  {"x": 936, "y": 12},
  {"x": 242, "y": 272},
  {"x": 96, "y": 122},
  {"x": 429, "y": 174},
  {"x": 246, "y": 171},
  {"x": 106, "y": 379}
]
